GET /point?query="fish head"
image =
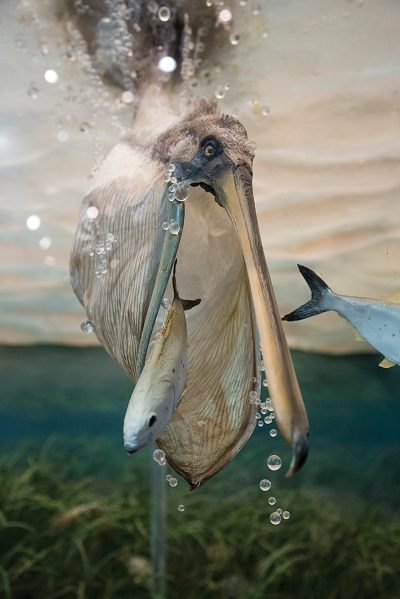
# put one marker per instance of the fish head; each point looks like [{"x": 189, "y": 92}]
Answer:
[{"x": 147, "y": 416}]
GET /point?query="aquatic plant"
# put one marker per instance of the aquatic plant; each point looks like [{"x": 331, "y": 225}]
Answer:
[{"x": 71, "y": 538}]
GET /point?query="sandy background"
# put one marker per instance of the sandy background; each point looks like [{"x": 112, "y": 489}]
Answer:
[{"x": 326, "y": 173}]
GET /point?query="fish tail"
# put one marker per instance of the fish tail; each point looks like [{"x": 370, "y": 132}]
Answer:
[
  {"x": 187, "y": 304},
  {"x": 318, "y": 289}
]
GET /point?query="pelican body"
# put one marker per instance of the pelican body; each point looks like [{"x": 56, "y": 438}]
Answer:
[
  {"x": 220, "y": 259},
  {"x": 377, "y": 321},
  {"x": 162, "y": 380}
]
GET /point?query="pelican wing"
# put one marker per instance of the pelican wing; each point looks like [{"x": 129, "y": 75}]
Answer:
[
  {"x": 214, "y": 417},
  {"x": 128, "y": 193}
]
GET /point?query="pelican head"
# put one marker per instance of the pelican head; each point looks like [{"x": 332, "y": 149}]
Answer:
[{"x": 221, "y": 260}]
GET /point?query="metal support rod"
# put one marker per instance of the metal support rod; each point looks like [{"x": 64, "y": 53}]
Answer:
[{"x": 158, "y": 529}]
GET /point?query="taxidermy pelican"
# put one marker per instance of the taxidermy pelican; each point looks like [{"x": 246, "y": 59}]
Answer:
[
  {"x": 221, "y": 260},
  {"x": 122, "y": 260}
]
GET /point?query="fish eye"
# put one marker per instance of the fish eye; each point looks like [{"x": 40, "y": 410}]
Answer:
[
  {"x": 152, "y": 421},
  {"x": 210, "y": 149}
]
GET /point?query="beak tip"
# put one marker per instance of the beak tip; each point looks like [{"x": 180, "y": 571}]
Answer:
[{"x": 299, "y": 455}]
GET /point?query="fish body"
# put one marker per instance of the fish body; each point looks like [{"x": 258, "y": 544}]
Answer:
[
  {"x": 161, "y": 382},
  {"x": 376, "y": 320}
]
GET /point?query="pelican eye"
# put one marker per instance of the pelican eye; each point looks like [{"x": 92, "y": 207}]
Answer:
[
  {"x": 210, "y": 149},
  {"x": 152, "y": 421}
]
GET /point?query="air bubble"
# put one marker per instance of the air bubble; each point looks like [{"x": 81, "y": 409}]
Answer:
[
  {"x": 261, "y": 366},
  {"x": 173, "y": 482},
  {"x": 265, "y": 384},
  {"x": 181, "y": 194},
  {"x": 260, "y": 423},
  {"x": 274, "y": 462},
  {"x": 86, "y": 326},
  {"x": 234, "y": 38},
  {"x": 220, "y": 92},
  {"x": 181, "y": 508},
  {"x": 127, "y": 97},
  {"x": 253, "y": 379},
  {"x": 165, "y": 226},
  {"x": 275, "y": 518},
  {"x": 286, "y": 515},
  {"x": 33, "y": 91},
  {"x": 152, "y": 7},
  {"x": 273, "y": 432},
  {"x": 271, "y": 500},
  {"x": 158, "y": 455},
  {"x": 225, "y": 15},
  {"x": 51, "y": 76},
  {"x": 174, "y": 228},
  {"x": 164, "y": 14},
  {"x": 92, "y": 212},
  {"x": 279, "y": 511},
  {"x": 33, "y": 222},
  {"x": 265, "y": 484},
  {"x": 168, "y": 477},
  {"x": 162, "y": 462},
  {"x": 84, "y": 127},
  {"x": 166, "y": 303},
  {"x": 62, "y": 135}
]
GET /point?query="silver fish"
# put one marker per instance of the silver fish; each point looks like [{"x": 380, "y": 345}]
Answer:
[
  {"x": 376, "y": 320},
  {"x": 162, "y": 380}
]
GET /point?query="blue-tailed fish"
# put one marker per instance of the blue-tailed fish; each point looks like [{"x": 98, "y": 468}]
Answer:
[
  {"x": 376, "y": 320},
  {"x": 162, "y": 380}
]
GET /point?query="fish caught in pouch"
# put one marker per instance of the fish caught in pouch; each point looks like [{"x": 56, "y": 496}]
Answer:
[{"x": 162, "y": 380}]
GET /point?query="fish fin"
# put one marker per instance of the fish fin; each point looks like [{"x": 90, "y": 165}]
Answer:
[
  {"x": 318, "y": 288},
  {"x": 187, "y": 304},
  {"x": 182, "y": 394},
  {"x": 393, "y": 298},
  {"x": 387, "y": 363},
  {"x": 358, "y": 336}
]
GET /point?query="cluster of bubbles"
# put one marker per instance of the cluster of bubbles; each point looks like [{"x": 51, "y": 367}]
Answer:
[
  {"x": 173, "y": 483},
  {"x": 257, "y": 108},
  {"x": 172, "y": 226},
  {"x": 159, "y": 457},
  {"x": 274, "y": 462},
  {"x": 221, "y": 90},
  {"x": 177, "y": 190},
  {"x": 101, "y": 249},
  {"x": 191, "y": 61}
]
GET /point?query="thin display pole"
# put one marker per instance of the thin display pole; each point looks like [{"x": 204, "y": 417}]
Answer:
[{"x": 158, "y": 529}]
